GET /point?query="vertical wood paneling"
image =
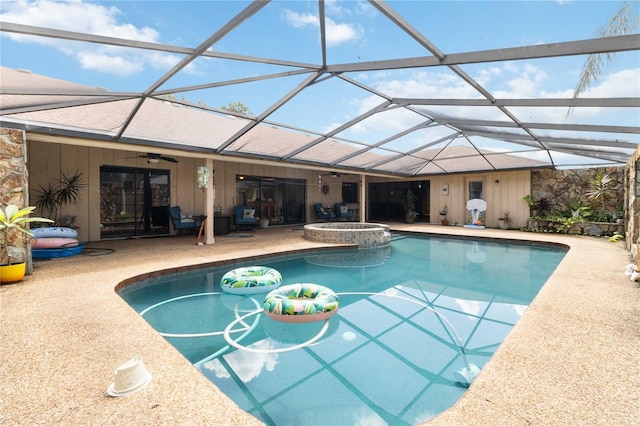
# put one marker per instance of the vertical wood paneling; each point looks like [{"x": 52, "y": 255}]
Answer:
[
  {"x": 41, "y": 168},
  {"x": 75, "y": 158},
  {"x": 50, "y": 159}
]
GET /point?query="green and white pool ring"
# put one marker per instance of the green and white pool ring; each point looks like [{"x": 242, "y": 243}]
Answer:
[
  {"x": 250, "y": 280},
  {"x": 302, "y": 302}
]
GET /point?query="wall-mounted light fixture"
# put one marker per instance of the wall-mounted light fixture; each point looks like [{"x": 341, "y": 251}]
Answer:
[{"x": 445, "y": 189}]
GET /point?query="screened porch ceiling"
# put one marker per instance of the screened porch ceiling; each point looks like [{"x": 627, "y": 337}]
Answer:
[{"x": 388, "y": 130}]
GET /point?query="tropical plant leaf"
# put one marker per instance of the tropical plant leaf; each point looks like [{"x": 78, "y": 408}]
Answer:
[
  {"x": 70, "y": 188},
  {"x": 623, "y": 22}
]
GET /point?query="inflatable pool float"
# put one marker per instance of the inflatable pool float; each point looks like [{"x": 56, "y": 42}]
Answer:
[
  {"x": 49, "y": 243},
  {"x": 54, "y": 232},
  {"x": 250, "y": 280},
  {"x": 56, "y": 252},
  {"x": 305, "y": 302}
]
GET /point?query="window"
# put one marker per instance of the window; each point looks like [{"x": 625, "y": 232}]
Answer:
[
  {"x": 475, "y": 189},
  {"x": 350, "y": 192}
]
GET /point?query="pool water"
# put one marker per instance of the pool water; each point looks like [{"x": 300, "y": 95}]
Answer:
[{"x": 413, "y": 318}]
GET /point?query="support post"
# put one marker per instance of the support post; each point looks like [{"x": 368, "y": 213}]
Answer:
[{"x": 209, "y": 201}]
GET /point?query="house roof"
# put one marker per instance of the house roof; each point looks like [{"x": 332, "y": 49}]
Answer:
[{"x": 421, "y": 136}]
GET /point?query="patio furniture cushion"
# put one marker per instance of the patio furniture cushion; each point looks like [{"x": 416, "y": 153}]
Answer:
[
  {"x": 183, "y": 221},
  {"x": 244, "y": 217},
  {"x": 342, "y": 211}
]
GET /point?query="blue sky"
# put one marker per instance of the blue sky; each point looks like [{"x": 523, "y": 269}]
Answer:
[{"x": 356, "y": 32}]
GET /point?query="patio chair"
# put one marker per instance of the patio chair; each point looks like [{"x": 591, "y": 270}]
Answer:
[
  {"x": 181, "y": 221},
  {"x": 342, "y": 211},
  {"x": 244, "y": 217},
  {"x": 322, "y": 213}
]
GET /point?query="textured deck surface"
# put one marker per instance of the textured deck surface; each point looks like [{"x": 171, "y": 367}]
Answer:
[{"x": 571, "y": 359}]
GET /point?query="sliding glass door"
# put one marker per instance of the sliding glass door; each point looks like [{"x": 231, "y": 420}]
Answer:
[
  {"x": 133, "y": 202},
  {"x": 281, "y": 201}
]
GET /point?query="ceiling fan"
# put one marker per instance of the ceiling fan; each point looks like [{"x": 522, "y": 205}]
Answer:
[{"x": 155, "y": 158}]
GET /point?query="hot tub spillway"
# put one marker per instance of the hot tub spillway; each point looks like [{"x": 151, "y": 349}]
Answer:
[{"x": 365, "y": 235}]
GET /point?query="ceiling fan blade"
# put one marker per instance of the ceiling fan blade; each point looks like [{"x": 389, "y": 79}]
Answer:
[{"x": 154, "y": 156}]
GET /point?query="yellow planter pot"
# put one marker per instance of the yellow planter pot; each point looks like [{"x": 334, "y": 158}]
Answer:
[{"x": 12, "y": 273}]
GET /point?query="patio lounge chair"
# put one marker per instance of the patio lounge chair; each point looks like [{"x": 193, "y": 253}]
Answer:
[
  {"x": 244, "y": 217},
  {"x": 342, "y": 211},
  {"x": 181, "y": 221},
  {"x": 322, "y": 213}
]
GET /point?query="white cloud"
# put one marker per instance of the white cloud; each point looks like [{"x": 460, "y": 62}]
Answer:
[
  {"x": 339, "y": 33},
  {"x": 91, "y": 18},
  {"x": 113, "y": 63},
  {"x": 486, "y": 74},
  {"x": 511, "y": 80},
  {"x": 522, "y": 80},
  {"x": 301, "y": 20},
  {"x": 335, "y": 8},
  {"x": 75, "y": 16},
  {"x": 427, "y": 84},
  {"x": 619, "y": 84},
  {"x": 336, "y": 33},
  {"x": 247, "y": 365}
]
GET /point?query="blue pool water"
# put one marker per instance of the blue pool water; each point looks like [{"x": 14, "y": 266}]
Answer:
[{"x": 412, "y": 318}]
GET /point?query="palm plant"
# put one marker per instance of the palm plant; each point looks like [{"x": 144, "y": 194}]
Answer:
[
  {"x": 624, "y": 21},
  {"x": 66, "y": 190},
  {"x": 410, "y": 204},
  {"x": 600, "y": 189}
]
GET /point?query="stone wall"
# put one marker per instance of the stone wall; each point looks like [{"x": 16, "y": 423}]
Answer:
[
  {"x": 632, "y": 203},
  {"x": 563, "y": 188},
  {"x": 596, "y": 229},
  {"x": 13, "y": 184}
]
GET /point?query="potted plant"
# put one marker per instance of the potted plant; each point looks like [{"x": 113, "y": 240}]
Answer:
[
  {"x": 410, "y": 212},
  {"x": 66, "y": 190},
  {"x": 505, "y": 221},
  {"x": 443, "y": 216},
  {"x": 12, "y": 221}
]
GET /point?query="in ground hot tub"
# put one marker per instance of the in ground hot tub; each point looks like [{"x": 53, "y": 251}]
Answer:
[{"x": 365, "y": 235}]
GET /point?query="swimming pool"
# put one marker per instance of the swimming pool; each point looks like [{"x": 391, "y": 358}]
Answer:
[{"x": 413, "y": 316}]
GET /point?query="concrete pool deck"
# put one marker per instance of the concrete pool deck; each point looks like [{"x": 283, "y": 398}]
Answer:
[{"x": 571, "y": 359}]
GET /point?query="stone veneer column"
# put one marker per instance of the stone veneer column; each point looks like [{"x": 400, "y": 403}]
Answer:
[
  {"x": 13, "y": 183},
  {"x": 632, "y": 205}
]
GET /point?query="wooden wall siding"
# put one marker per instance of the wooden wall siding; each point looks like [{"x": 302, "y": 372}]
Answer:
[
  {"x": 506, "y": 195},
  {"x": 48, "y": 160}
]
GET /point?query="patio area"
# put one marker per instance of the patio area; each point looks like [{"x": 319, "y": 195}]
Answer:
[{"x": 571, "y": 359}]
